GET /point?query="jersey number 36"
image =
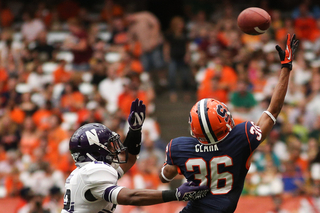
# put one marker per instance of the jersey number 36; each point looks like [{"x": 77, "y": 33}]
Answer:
[{"x": 215, "y": 176}]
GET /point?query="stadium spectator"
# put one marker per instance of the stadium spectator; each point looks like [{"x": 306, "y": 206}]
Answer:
[
  {"x": 131, "y": 91},
  {"x": 55, "y": 136},
  {"x": 198, "y": 26},
  {"x": 242, "y": 99},
  {"x": 147, "y": 175},
  {"x": 113, "y": 83},
  {"x": 30, "y": 137},
  {"x": 305, "y": 23},
  {"x": 31, "y": 27},
  {"x": 119, "y": 31},
  {"x": 150, "y": 150},
  {"x": 146, "y": 28},
  {"x": 42, "y": 115},
  {"x": 9, "y": 133},
  {"x": 6, "y": 14},
  {"x": 225, "y": 74},
  {"x": 110, "y": 10},
  {"x": 43, "y": 50},
  {"x": 177, "y": 55},
  {"x": 72, "y": 99},
  {"x": 211, "y": 46},
  {"x": 64, "y": 9},
  {"x": 53, "y": 203},
  {"x": 78, "y": 44},
  {"x": 43, "y": 13},
  {"x": 293, "y": 180},
  {"x": 61, "y": 75}
]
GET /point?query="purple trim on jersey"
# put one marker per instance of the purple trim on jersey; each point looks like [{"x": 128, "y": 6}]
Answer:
[{"x": 108, "y": 193}]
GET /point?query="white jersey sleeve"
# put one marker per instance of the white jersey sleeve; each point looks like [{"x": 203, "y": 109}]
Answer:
[
  {"x": 92, "y": 187},
  {"x": 103, "y": 181}
]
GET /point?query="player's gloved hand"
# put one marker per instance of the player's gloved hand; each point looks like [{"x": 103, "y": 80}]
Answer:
[
  {"x": 137, "y": 114},
  {"x": 189, "y": 191},
  {"x": 286, "y": 56}
]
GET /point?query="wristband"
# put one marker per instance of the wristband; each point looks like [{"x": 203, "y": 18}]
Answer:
[
  {"x": 271, "y": 116},
  {"x": 164, "y": 177},
  {"x": 288, "y": 65},
  {"x": 133, "y": 142},
  {"x": 169, "y": 195}
]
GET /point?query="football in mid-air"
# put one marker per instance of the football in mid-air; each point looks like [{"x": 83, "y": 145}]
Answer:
[{"x": 254, "y": 21}]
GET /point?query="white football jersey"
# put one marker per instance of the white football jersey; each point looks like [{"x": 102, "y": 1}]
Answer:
[{"x": 92, "y": 187}]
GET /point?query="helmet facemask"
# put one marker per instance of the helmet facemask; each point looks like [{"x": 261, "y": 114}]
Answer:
[{"x": 115, "y": 148}]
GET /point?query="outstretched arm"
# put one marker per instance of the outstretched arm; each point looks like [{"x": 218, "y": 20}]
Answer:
[
  {"x": 268, "y": 118},
  {"x": 143, "y": 197},
  {"x": 133, "y": 139}
]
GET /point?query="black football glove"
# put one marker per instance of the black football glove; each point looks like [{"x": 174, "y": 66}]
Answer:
[
  {"x": 286, "y": 56},
  {"x": 137, "y": 114}
]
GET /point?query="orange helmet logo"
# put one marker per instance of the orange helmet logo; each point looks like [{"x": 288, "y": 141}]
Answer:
[{"x": 210, "y": 121}]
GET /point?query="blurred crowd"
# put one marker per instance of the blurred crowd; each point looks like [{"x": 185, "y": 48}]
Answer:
[{"x": 63, "y": 65}]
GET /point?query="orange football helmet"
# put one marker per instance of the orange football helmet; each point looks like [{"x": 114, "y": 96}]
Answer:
[{"x": 210, "y": 121}]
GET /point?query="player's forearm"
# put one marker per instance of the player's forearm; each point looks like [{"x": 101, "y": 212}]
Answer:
[
  {"x": 279, "y": 93},
  {"x": 133, "y": 141},
  {"x": 143, "y": 197}
]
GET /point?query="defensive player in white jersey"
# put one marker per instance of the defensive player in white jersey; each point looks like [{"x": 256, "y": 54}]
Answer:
[{"x": 101, "y": 159}]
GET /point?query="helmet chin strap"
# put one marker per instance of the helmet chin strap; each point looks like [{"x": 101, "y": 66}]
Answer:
[
  {"x": 90, "y": 156},
  {"x": 93, "y": 159}
]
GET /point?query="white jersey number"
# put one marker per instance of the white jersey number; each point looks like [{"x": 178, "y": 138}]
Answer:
[{"x": 214, "y": 174}]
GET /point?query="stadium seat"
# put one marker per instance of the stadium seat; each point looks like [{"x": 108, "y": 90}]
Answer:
[
  {"x": 56, "y": 37},
  {"x": 315, "y": 63},
  {"x": 86, "y": 88},
  {"x": 87, "y": 77},
  {"x": 57, "y": 90},
  {"x": 65, "y": 55},
  {"x": 49, "y": 67},
  {"x": 38, "y": 99},
  {"x": 105, "y": 36},
  {"x": 23, "y": 88},
  {"x": 64, "y": 146},
  {"x": 112, "y": 57},
  {"x": 17, "y": 36},
  {"x": 309, "y": 56},
  {"x": 102, "y": 26},
  {"x": 69, "y": 119}
]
